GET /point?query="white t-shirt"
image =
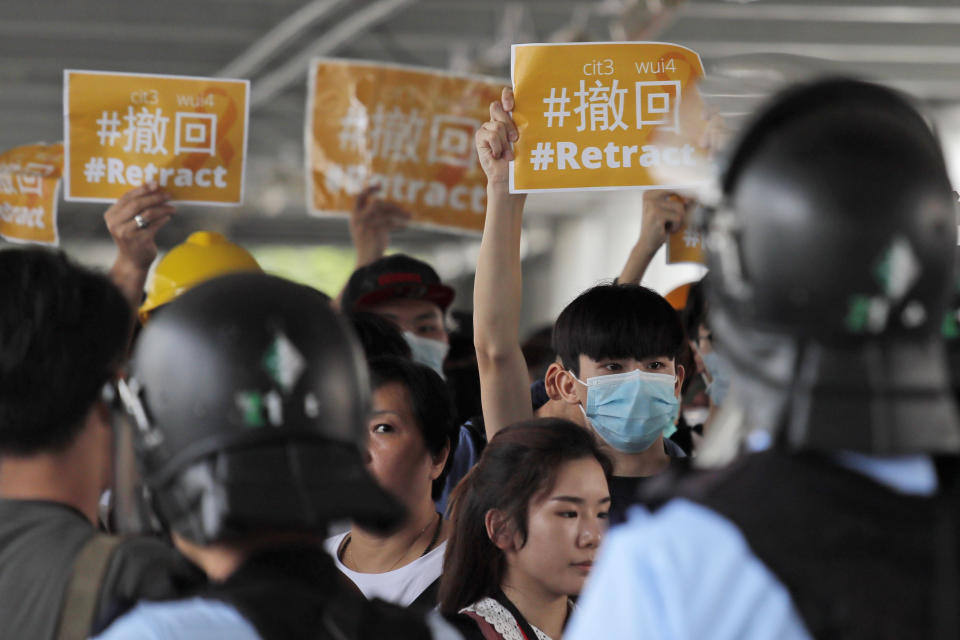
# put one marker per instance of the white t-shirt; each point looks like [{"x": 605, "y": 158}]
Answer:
[{"x": 401, "y": 586}]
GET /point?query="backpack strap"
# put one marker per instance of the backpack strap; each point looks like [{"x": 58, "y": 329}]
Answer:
[{"x": 76, "y": 616}]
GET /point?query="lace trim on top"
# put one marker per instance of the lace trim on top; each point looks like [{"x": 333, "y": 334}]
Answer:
[{"x": 501, "y": 619}]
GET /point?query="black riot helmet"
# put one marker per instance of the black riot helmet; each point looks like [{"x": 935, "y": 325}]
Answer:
[
  {"x": 832, "y": 258},
  {"x": 247, "y": 403},
  {"x": 951, "y": 334}
]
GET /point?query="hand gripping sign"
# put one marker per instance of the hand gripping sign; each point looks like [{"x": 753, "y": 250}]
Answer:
[
  {"x": 29, "y": 190},
  {"x": 407, "y": 129},
  {"x": 602, "y": 115},
  {"x": 189, "y": 135}
]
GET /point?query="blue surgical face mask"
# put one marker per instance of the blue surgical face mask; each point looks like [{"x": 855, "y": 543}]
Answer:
[
  {"x": 426, "y": 351},
  {"x": 631, "y": 410},
  {"x": 672, "y": 429},
  {"x": 719, "y": 369}
]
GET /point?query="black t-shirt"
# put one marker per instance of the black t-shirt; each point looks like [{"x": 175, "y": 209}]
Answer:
[
  {"x": 39, "y": 542},
  {"x": 626, "y": 491}
]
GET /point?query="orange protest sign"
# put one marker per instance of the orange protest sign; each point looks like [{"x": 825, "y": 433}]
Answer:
[
  {"x": 678, "y": 297},
  {"x": 29, "y": 190},
  {"x": 189, "y": 135},
  {"x": 601, "y": 115},
  {"x": 407, "y": 129},
  {"x": 686, "y": 245}
]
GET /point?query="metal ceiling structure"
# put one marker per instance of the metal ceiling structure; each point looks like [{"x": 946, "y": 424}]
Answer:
[{"x": 747, "y": 46}]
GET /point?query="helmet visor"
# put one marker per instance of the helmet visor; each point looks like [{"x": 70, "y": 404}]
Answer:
[{"x": 132, "y": 512}]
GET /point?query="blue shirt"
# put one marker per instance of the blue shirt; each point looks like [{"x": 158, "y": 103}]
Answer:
[
  {"x": 466, "y": 454},
  {"x": 194, "y": 619},
  {"x": 686, "y": 572},
  {"x": 202, "y": 619},
  {"x": 464, "y": 458}
]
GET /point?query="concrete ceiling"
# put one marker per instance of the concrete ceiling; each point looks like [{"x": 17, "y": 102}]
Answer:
[{"x": 911, "y": 45}]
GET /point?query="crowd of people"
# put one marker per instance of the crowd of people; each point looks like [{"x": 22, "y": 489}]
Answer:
[{"x": 215, "y": 452}]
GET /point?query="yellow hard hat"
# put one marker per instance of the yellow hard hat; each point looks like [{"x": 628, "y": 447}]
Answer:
[{"x": 205, "y": 255}]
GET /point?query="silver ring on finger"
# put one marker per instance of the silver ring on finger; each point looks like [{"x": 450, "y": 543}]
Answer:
[{"x": 141, "y": 222}]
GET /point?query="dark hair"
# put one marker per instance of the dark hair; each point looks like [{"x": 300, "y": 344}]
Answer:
[
  {"x": 520, "y": 463},
  {"x": 431, "y": 404},
  {"x": 538, "y": 352},
  {"x": 616, "y": 321},
  {"x": 379, "y": 336},
  {"x": 63, "y": 331},
  {"x": 694, "y": 313},
  {"x": 460, "y": 368}
]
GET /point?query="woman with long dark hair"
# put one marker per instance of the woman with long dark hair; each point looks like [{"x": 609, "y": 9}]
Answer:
[{"x": 526, "y": 524}]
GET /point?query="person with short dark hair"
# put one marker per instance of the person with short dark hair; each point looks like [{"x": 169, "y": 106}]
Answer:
[
  {"x": 408, "y": 292},
  {"x": 411, "y": 443},
  {"x": 617, "y": 343},
  {"x": 378, "y": 336},
  {"x": 399, "y": 287},
  {"x": 526, "y": 522},
  {"x": 538, "y": 352},
  {"x": 595, "y": 327},
  {"x": 63, "y": 336}
]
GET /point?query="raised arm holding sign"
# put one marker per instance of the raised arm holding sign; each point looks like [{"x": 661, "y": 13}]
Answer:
[
  {"x": 664, "y": 213},
  {"x": 372, "y": 222},
  {"x": 133, "y": 222},
  {"x": 497, "y": 289}
]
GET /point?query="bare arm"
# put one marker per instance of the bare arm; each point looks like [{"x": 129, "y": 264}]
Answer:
[
  {"x": 372, "y": 221},
  {"x": 504, "y": 386},
  {"x": 663, "y": 213}
]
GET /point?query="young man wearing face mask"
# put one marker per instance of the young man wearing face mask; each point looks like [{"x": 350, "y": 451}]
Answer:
[
  {"x": 617, "y": 344},
  {"x": 402, "y": 289},
  {"x": 408, "y": 292}
]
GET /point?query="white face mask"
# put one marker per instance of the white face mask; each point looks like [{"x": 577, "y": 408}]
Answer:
[
  {"x": 696, "y": 415},
  {"x": 427, "y": 351}
]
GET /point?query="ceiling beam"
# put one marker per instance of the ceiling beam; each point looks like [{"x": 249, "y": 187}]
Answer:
[
  {"x": 836, "y": 52},
  {"x": 295, "y": 69},
  {"x": 291, "y": 27},
  {"x": 817, "y": 12}
]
